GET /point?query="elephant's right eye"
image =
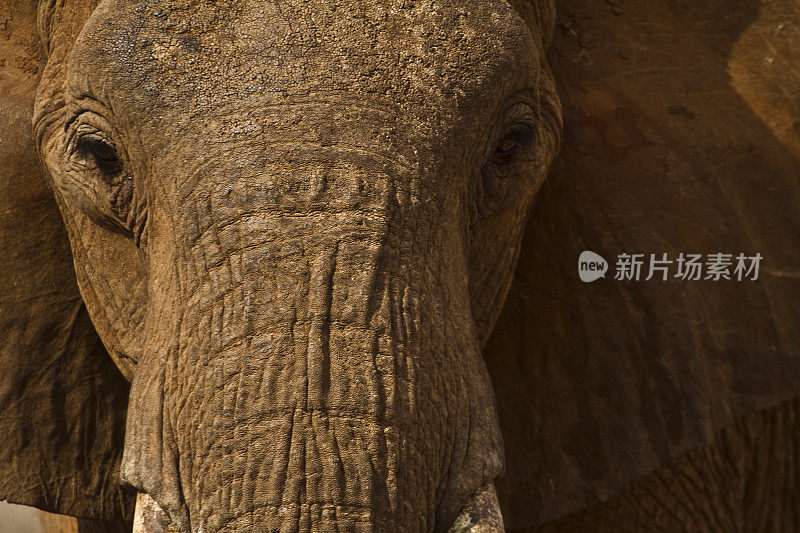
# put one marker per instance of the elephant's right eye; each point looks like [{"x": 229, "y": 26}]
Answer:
[
  {"x": 96, "y": 152},
  {"x": 101, "y": 179}
]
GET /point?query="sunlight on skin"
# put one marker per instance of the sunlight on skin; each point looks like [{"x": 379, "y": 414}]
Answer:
[{"x": 769, "y": 80}]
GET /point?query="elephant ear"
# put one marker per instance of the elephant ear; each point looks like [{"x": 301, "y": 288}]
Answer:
[
  {"x": 62, "y": 399},
  {"x": 681, "y": 135}
]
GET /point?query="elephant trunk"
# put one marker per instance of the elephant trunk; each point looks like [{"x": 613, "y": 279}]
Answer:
[{"x": 319, "y": 380}]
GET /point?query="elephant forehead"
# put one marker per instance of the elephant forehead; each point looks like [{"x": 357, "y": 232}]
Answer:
[{"x": 198, "y": 54}]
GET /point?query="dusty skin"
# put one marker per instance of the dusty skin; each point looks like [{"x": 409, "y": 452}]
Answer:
[{"x": 278, "y": 265}]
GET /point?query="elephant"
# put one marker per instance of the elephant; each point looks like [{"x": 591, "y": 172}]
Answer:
[{"x": 309, "y": 266}]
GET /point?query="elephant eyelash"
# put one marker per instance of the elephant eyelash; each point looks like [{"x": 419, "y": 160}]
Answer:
[
  {"x": 90, "y": 151},
  {"x": 95, "y": 151},
  {"x": 512, "y": 144}
]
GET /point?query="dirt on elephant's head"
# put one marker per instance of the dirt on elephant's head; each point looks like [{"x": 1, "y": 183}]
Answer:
[{"x": 294, "y": 225}]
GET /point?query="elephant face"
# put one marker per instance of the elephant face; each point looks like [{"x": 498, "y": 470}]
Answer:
[{"x": 294, "y": 224}]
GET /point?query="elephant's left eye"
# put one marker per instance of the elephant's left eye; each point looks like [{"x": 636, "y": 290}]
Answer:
[
  {"x": 512, "y": 143},
  {"x": 507, "y": 146}
]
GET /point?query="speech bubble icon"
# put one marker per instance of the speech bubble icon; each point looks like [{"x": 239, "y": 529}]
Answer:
[{"x": 591, "y": 266}]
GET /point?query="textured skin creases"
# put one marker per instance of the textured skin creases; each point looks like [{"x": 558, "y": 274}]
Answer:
[
  {"x": 746, "y": 480},
  {"x": 323, "y": 449},
  {"x": 309, "y": 394}
]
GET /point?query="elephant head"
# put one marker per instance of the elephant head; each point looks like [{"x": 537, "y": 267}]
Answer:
[{"x": 294, "y": 225}]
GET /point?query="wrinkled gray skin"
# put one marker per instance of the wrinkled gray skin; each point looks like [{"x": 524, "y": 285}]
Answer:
[{"x": 294, "y": 224}]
